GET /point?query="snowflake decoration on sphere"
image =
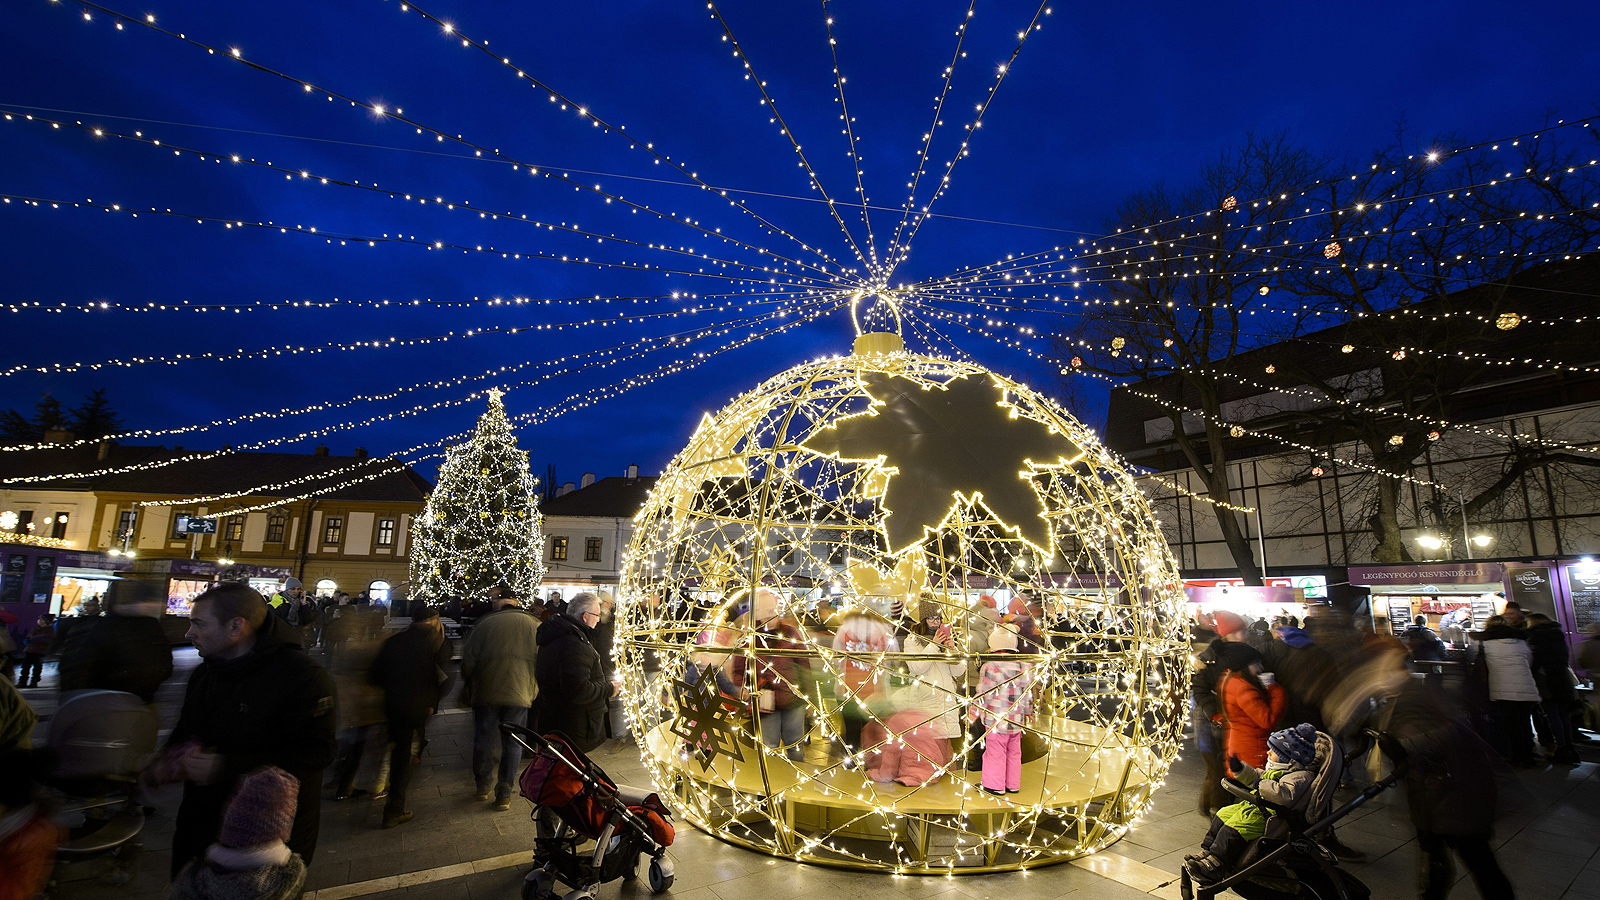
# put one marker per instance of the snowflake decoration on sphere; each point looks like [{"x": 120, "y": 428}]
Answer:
[{"x": 786, "y": 551}]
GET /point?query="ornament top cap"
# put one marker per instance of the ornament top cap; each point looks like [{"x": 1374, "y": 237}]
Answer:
[{"x": 878, "y": 342}]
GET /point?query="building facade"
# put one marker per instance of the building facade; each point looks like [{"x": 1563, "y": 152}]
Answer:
[
  {"x": 338, "y": 523},
  {"x": 587, "y": 528}
]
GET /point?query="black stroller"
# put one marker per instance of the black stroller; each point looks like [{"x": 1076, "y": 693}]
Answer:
[
  {"x": 624, "y": 823},
  {"x": 1287, "y": 863},
  {"x": 102, "y": 739}
]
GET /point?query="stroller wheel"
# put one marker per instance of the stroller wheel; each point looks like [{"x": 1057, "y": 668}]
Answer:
[
  {"x": 660, "y": 878},
  {"x": 536, "y": 885}
]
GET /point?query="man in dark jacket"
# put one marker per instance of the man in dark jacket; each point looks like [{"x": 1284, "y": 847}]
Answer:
[
  {"x": 1550, "y": 662},
  {"x": 125, "y": 650},
  {"x": 413, "y": 668},
  {"x": 255, "y": 700},
  {"x": 499, "y": 666},
  {"x": 573, "y": 689}
]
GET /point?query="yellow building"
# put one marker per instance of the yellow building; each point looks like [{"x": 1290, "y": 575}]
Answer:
[{"x": 338, "y": 523}]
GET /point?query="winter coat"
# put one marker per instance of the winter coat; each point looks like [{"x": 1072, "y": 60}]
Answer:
[
  {"x": 1548, "y": 647},
  {"x": 1509, "y": 658},
  {"x": 574, "y": 693},
  {"x": 500, "y": 659},
  {"x": 27, "y": 853},
  {"x": 1450, "y": 777},
  {"x": 933, "y": 690},
  {"x": 17, "y": 719},
  {"x": 1288, "y": 786},
  {"x": 349, "y": 661},
  {"x": 413, "y": 668},
  {"x": 39, "y": 640},
  {"x": 204, "y": 879},
  {"x": 1250, "y": 716},
  {"x": 783, "y": 675},
  {"x": 1307, "y": 672},
  {"x": 1005, "y": 698},
  {"x": 118, "y": 653},
  {"x": 1424, "y": 645},
  {"x": 271, "y": 707}
]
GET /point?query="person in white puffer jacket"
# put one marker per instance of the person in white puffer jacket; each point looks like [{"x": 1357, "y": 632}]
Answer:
[{"x": 1513, "y": 694}]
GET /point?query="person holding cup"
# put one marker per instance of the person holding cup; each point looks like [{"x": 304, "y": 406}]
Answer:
[{"x": 1252, "y": 705}]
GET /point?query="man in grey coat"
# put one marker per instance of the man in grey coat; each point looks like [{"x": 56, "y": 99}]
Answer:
[{"x": 498, "y": 667}]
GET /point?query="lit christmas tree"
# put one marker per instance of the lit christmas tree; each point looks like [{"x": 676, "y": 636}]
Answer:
[{"x": 481, "y": 526}]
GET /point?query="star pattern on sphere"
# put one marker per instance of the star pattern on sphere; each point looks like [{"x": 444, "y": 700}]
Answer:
[
  {"x": 718, "y": 570},
  {"x": 703, "y": 721},
  {"x": 941, "y": 445}
]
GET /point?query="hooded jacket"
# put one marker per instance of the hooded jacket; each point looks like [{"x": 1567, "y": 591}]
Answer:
[
  {"x": 204, "y": 879},
  {"x": 500, "y": 659},
  {"x": 1250, "y": 715},
  {"x": 573, "y": 689},
  {"x": 1510, "y": 661},
  {"x": 271, "y": 707}
]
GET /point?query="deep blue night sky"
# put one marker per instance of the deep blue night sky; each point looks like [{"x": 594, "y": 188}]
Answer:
[{"x": 1105, "y": 99}]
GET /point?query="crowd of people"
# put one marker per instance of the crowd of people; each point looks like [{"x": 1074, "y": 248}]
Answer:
[
  {"x": 1257, "y": 684},
  {"x": 265, "y": 730}
]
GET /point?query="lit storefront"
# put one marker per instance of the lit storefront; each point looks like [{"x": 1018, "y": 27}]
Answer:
[{"x": 1456, "y": 598}]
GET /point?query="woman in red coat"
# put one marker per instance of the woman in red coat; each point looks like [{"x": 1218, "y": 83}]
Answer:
[{"x": 1250, "y": 708}]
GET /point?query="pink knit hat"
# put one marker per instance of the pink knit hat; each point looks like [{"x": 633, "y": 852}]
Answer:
[{"x": 262, "y": 810}]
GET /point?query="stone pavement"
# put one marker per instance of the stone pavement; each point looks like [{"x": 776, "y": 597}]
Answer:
[{"x": 457, "y": 848}]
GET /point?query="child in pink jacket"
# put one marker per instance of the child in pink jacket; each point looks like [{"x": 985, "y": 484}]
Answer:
[{"x": 1004, "y": 705}]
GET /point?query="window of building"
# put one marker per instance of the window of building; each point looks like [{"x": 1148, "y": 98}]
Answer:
[
  {"x": 275, "y": 525},
  {"x": 327, "y": 587},
  {"x": 558, "y": 547},
  {"x": 385, "y": 533},
  {"x": 233, "y": 529},
  {"x": 332, "y": 530},
  {"x": 126, "y": 519},
  {"x": 591, "y": 549},
  {"x": 379, "y": 592},
  {"x": 24, "y": 522},
  {"x": 58, "y": 525},
  {"x": 785, "y": 552}
]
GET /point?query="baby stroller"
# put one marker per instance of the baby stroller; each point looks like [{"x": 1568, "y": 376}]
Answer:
[
  {"x": 623, "y": 822},
  {"x": 103, "y": 739},
  {"x": 1287, "y": 863}
]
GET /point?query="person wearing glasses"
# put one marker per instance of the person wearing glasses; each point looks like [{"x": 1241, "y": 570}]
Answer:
[{"x": 574, "y": 692}]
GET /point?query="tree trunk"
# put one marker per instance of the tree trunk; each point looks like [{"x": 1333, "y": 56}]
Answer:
[{"x": 1386, "y": 524}]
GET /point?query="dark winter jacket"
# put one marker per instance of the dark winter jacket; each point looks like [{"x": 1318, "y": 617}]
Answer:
[
  {"x": 272, "y": 707},
  {"x": 1550, "y": 662},
  {"x": 1306, "y": 672},
  {"x": 413, "y": 668},
  {"x": 117, "y": 653},
  {"x": 574, "y": 692},
  {"x": 39, "y": 640},
  {"x": 1424, "y": 645},
  {"x": 1450, "y": 781}
]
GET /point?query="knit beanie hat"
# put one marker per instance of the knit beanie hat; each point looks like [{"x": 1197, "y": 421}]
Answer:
[
  {"x": 1227, "y": 623},
  {"x": 1297, "y": 744},
  {"x": 1002, "y": 638},
  {"x": 262, "y": 810},
  {"x": 1236, "y": 656}
]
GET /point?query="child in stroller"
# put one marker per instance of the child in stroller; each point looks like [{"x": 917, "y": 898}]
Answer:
[
  {"x": 574, "y": 803},
  {"x": 1294, "y": 758}
]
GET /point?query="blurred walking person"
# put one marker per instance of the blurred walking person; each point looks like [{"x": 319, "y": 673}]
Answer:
[
  {"x": 353, "y": 643},
  {"x": 1547, "y": 645},
  {"x": 125, "y": 650},
  {"x": 255, "y": 700},
  {"x": 499, "y": 671},
  {"x": 413, "y": 668}
]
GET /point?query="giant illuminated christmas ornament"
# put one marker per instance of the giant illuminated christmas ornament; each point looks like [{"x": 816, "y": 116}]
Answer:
[
  {"x": 481, "y": 526},
  {"x": 807, "y": 611}
]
